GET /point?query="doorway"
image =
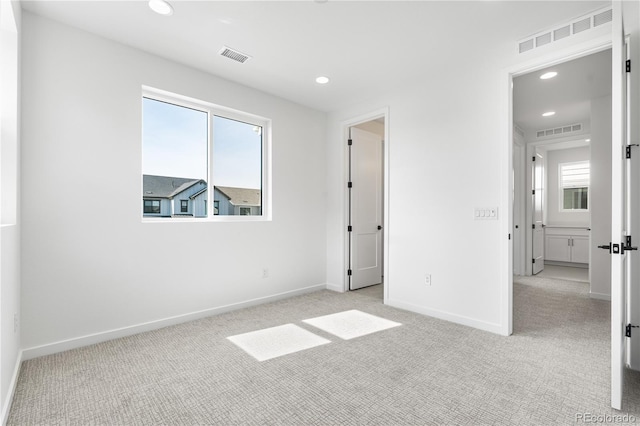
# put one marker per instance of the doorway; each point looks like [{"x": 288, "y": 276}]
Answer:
[
  {"x": 566, "y": 210},
  {"x": 365, "y": 215}
]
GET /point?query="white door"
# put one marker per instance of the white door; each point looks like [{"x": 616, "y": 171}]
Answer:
[
  {"x": 537, "y": 233},
  {"x": 619, "y": 276},
  {"x": 366, "y": 209}
]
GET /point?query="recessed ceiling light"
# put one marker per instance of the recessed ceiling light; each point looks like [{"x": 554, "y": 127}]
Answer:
[
  {"x": 322, "y": 80},
  {"x": 161, "y": 7},
  {"x": 548, "y": 75},
  {"x": 548, "y": 114},
  {"x": 587, "y": 140}
]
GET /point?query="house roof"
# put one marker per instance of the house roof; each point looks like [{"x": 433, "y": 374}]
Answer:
[
  {"x": 165, "y": 186},
  {"x": 242, "y": 196}
]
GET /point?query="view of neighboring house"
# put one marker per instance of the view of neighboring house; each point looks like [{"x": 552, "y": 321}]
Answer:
[
  {"x": 167, "y": 196},
  {"x": 237, "y": 201}
]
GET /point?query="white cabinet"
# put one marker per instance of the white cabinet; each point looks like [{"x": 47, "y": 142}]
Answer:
[
  {"x": 567, "y": 245},
  {"x": 579, "y": 249}
]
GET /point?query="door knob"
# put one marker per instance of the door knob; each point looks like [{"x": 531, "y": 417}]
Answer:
[{"x": 379, "y": 227}]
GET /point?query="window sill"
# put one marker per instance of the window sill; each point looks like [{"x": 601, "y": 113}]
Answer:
[{"x": 214, "y": 219}]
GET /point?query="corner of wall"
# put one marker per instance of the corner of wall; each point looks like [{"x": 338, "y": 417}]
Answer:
[{"x": 6, "y": 403}]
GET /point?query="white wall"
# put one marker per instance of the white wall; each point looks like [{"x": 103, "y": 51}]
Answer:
[
  {"x": 556, "y": 217},
  {"x": 97, "y": 272},
  {"x": 600, "y": 265},
  {"x": 439, "y": 171},
  {"x": 447, "y": 138},
  {"x": 10, "y": 37}
]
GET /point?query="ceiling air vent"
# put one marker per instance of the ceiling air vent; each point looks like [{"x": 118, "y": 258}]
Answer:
[
  {"x": 562, "y": 32},
  {"x": 559, "y": 130},
  {"x": 567, "y": 29},
  {"x": 234, "y": 54},
  {"x": 582, "y": 25},
  {"x": 526, "y": 45},
  {"x": 603, "y": 18},
  {"x": 543, "y": 39}
]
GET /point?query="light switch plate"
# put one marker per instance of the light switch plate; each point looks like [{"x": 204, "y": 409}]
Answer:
[{"x": 485, "y": 213}]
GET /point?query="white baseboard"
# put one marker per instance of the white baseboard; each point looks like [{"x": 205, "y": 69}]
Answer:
[
  {"x": 600, "y": 296},
  {"x": 78, "y": 342},
  {"x": 335, "y": 287},
  {"x": 6, "y": 404},
  {"x": 447, "y": 316}
]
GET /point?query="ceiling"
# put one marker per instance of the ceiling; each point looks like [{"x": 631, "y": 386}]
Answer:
[
  {"x": 364, "y": 47},
  {"x": 569, "y": 94}
]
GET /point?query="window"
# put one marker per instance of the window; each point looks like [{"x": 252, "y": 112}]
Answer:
[
  {"x": 191, "y": 149},
  {"x": 574, "y": 185},
  {"x": 152, "y": 206}
]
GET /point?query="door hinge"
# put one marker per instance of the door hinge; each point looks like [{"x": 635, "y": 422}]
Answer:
[
  {"x": 533, "y": 192},
  {"x": 349, "y": 228},
  {"x": 349, "y": 272},
  {"x": 350, "y": 142},
  {"x": 533, "y": 261},
  {"x": 533, "y": 158},
  {"x": 509, "y": 236},
  {"x": 349, "y": 184},
  {"x": 628, "y": 65},
  {"x": 627, "y": 244},
  {"x": 627, "y": 329},
  {"x": 627, "y": 150},
  {"x": 533, "y": 226}
]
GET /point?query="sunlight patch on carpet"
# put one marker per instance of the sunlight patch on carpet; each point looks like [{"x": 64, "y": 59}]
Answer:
[
  {"x": 351, "y": 324},
  {"x": 277, "y": 341}
]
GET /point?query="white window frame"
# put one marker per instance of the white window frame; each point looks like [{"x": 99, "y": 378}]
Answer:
[
  {"x": 561, "y": 188},
  {"x": 217, "y": 110}
]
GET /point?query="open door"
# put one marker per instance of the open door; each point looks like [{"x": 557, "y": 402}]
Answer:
[
  {"x": 537, "y": 232},
  {"x": 365, "y": 222},
  {"x": 619, "y": 246}
]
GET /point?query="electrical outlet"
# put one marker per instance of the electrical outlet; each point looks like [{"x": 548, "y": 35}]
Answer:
[
  {"x": 427, "y": 279},
  {"x": 15, "y": 323},
  {"x": 265, "y": 273}
]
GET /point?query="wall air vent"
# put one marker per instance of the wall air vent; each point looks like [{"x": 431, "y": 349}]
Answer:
[
  {"x": 230, "y": 53},
  {"x": 559, "y": 130},
  {"x": 567, "y": 29},
  {"x": 603, "y": 18}
]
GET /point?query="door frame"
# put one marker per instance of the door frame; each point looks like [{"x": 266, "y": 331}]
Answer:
[
  {"x": 553, "y": 57},
  {"x": 346, "y": 125},
  {"x": 527, "y": 207}
]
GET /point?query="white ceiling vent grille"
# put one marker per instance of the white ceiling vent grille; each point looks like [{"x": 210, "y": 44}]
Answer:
[
  {"x": 543, "y": 39},
  {"x": 234, "y": 54},
  {"x": 603, "y": 18},
  {"x": 561, "y": 33},
  {"x": 526, "y": 45},
  {"x": 582, "y": 25},
  {"x": 559, "y": 130},
  {"x": 567, "y": 29}
]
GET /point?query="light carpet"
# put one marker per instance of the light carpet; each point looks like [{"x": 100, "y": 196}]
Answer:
[
  {"x": 277, "y": 341},
  {"x": 427, "y": 372},
  {"x": 351, "y": 324}
]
